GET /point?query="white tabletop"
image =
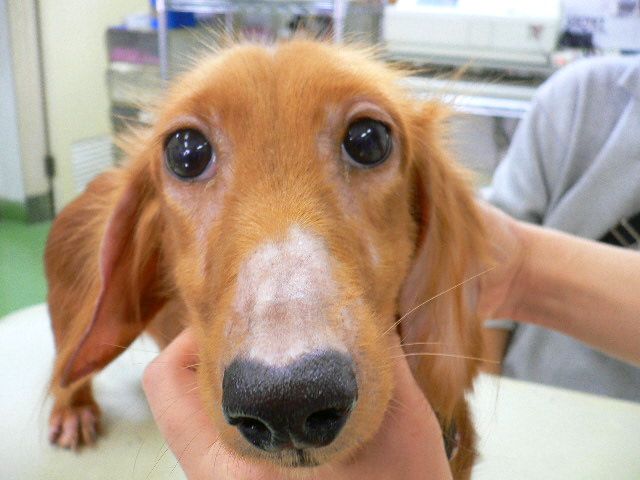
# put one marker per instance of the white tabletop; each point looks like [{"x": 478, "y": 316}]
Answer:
[{"x": 526, "y": 431}]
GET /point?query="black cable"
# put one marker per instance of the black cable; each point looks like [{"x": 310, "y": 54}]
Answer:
[{"x": 49, "y": 161}]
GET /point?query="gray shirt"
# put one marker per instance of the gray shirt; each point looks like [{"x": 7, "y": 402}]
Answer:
[{"x": 574, "y": 165}]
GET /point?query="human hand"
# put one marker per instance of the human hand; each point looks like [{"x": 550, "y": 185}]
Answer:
[
  {"x": 499, "y": 287},
  {"x": 408, "y": 445}
]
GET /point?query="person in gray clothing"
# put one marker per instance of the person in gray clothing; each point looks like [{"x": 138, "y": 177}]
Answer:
[{"x": 573, "y": 165}]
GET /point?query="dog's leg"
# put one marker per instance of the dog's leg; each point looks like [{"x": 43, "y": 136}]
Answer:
[
  {"x": 73, "y": 289},
  {"x": 75, "y": 418},
  {"x": 101, "y": 261}
]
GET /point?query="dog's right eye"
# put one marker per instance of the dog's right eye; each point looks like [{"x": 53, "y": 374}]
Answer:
[
  {"x": 187, "y": 153},
  {"x": 367, "y": 143}
]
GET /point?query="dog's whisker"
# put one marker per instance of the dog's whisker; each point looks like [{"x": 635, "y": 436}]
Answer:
[
  {"x": 163, "y": 451},
  {"x": 140, "y": 350},
  {"x": 181, "y": 456},
  {"x": 164, "y": 364},
  {"x": 211, "y": 445},
  {"x": 473, "y": 277},
  {"x": 192, "y": 366},
  {"x": 123, "y": 347},
  {"x": 406, "y": 344},
  {"x": 214, "y": 457},
  {"x": 451, "y": 355},
  {"x": 184, "y": 450},
  {"x": 135, "y": 461},
  {"x": 176, "y": 398},
  {"x": 410, "y": 344}
]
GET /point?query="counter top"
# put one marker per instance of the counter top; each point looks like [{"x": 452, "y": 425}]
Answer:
[{"x": 527, "y": 431}]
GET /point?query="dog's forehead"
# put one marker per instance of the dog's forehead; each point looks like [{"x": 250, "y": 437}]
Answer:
[{"x": 296, "y": 80}]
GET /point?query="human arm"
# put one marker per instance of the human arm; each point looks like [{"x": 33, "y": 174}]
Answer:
[
  {"x": 526, "y": 180},
  {"x": 408, "y": 444},
  {"x": 579, "y": 287}
]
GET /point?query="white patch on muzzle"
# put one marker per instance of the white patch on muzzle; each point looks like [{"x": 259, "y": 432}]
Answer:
[{"x": 285, "y": 295}]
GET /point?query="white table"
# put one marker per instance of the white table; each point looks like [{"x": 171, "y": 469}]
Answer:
[{"x": 527, "y": 431}]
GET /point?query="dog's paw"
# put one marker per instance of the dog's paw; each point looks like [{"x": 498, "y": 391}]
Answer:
[{"x": 72, "y": 427}]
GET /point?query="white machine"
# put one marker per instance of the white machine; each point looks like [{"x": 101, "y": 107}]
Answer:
[{"x": 484, "y": 33}]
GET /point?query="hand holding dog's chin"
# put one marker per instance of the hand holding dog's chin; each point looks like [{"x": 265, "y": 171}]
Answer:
[{"x": 408, "y": 445}]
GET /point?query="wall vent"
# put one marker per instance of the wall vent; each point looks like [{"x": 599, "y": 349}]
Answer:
[{"x": 89, "y": 158}]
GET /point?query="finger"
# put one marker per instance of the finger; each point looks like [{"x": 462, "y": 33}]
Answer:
[
  {"x": 410, "y": 434},
  {"x": 407, "y": 393},
  {"x": 170, "y": 383},
  {"x": 408, "y": 446},
  {"x": 405, "y": 383},
  {"x": 409, "y": 442}
]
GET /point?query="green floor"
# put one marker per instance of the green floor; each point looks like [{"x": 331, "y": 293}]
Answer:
[{"x": 22, "y": 280}]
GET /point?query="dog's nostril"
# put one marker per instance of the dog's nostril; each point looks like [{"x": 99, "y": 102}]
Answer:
[
  {"x": 253, "y": 430},
  {"x": 321, "y": 428},
  {"x": 324, "y": 417}
]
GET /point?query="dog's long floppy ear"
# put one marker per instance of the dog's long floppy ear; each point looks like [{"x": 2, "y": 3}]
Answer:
[
  {"x": 126, "y": 294},
  {"x": 448, "y": 251}
]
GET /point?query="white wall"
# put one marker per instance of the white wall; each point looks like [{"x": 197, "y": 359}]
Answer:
[
  {"x": 11, "y": 182},
  {"x": 23, "y": 33},
  {"x": 75, "y": 62}
]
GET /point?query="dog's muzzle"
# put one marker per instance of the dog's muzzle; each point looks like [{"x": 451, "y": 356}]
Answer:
[{"x": 301, "y": 405}]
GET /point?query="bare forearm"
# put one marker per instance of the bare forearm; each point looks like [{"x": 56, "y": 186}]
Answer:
[{"x": 582, "y": 288}]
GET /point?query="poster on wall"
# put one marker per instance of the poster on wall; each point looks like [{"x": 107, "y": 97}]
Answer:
[{"x": 613, "y": 24}]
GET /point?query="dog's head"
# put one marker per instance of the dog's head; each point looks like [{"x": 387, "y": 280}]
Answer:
[{"x": 294, "y": 201}]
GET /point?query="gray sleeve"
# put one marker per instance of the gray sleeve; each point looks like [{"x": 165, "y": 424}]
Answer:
[
  {"x": 570, "y": 118},
  {"x": 521, "y": 185},
  {"x": 500, "y": 324}
]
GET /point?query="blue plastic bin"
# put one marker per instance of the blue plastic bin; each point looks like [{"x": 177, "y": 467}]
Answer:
[{"x": 175, "y": 19}]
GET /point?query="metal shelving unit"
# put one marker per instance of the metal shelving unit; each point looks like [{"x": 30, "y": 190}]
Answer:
[
  {"x": 209, "y": 6},
  {"x": 486, "y": 99},
  {"x": 478, "y": 97},
  {"x": 336, "y": 9}
]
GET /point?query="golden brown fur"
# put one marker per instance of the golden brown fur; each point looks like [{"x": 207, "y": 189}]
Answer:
[{"x": 141, "y": 249}]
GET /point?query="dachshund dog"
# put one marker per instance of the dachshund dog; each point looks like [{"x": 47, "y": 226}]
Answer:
[{"x": 292, "y": 204}]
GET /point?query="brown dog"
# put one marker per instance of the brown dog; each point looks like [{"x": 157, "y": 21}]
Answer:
[{"x": 290, "y": 203}]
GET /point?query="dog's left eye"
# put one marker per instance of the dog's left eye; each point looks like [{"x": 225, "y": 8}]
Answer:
[
  {"x": 187, "y": 153},
  {"x": 367, "y": 142}
]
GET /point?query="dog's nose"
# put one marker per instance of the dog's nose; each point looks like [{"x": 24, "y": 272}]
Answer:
[{"x": 303, "y": 404}]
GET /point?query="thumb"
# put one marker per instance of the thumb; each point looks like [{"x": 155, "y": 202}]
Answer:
[{"x": 170, "y": 384}]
